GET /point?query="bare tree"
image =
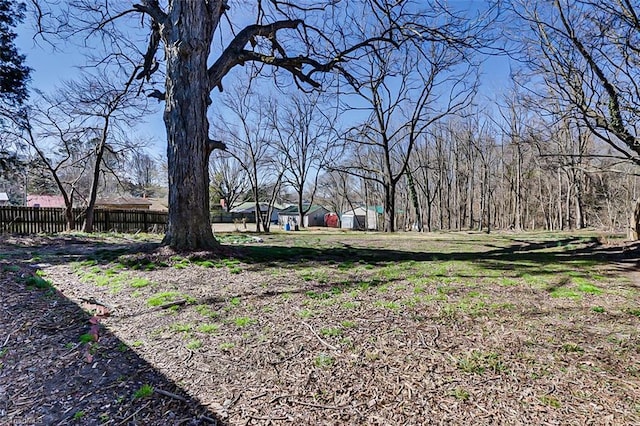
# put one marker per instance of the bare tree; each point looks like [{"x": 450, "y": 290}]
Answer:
[
  {"x": 305, "y": 136},
  {"x": 141, "y": 174},
  {"x": 249, "y": 138},
  {"x": 406, "y": 91},
  {"x": 78, "y": 132},
  {"x": 586, "y": 52},
  {"x": 229, "y": 182}
]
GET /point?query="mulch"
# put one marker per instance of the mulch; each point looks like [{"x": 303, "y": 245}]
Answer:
[
  {"x": 51, "y": 373},
  {"x": 519, "y": 357}
]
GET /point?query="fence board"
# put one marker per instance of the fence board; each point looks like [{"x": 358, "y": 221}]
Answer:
[{"x": 35, "y": 220}]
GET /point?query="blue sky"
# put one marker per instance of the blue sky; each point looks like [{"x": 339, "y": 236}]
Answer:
[{"x": 52, "y": 66}]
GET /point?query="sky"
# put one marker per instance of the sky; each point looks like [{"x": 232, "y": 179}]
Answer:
[{"x": 51, "y": 67}]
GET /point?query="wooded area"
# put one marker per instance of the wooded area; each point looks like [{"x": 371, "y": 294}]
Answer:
[{"x": 323, "y": 106}]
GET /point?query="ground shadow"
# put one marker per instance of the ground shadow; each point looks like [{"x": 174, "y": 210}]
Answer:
[
  {"x": 58, "y": 365},
  {"x": 53, "y": 372}
]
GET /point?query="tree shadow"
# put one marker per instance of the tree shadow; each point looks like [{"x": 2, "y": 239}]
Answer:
[
  {"x": 58, "y": 365},
  {"x": 49, "y": 376}
]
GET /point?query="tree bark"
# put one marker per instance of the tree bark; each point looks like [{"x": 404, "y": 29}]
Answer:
[
  {"x": 417, "y": 224},
  {"x": 389, "y": 208},
  {"x": 634, "y": 226},
  {"x": 187, "y": 39}
]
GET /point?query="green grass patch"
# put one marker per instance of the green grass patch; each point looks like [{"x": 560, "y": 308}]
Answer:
[
  {"x": 324, "y": 361},
  {"x": 207, "y": 311},
  {"x": 567, "y": 293},
  {"x": 194, "y": 344},
  {"x": 589, "y": 288},
  {"x": 163, "y": 298},
  {"x": 243, "y": 321},
  {"x": 331, "y": 332},
  {"x": 139, "y": 282},
  {"x": 208, "y": 328},
  {"x": 550, "y": 401},
  {"x": 144, "y": 391},
  {"x": 181, "y": 328},
  {"x": 227, "y": 346},
  {"x": 476, "y": 362}
]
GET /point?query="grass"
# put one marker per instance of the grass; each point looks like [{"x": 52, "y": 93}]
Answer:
[
  {"x": 144, "y": 391},
  {"x": 458, "y": 310},
  {"x": 331, "y": 332},
  {"x": 324, "y": 361},
  {"x": 243, "y": 321},
  {"x": 194, "y": 344},
  {"x": 208, "y": 328},
  {"x": 477, "y": 362},
  {"x": 165, "y": 297}
]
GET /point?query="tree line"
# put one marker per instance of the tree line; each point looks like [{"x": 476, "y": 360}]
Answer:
[{"x": 368, "y": 102}]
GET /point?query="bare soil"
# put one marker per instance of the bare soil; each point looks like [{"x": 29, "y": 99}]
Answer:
[{"x": 310, "y": 328}]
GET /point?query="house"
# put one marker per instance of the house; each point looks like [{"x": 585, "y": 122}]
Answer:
[
  {"x": 314, "y": 217},
  {"x": 4, "y": 199},
  {"x": 249, "y": 207},
  {"x": 124, "y": 203},
  {"x": 159, "y": 204},
  {"x": 361, "y": 217},
  {"x": 45, "y": 201}
]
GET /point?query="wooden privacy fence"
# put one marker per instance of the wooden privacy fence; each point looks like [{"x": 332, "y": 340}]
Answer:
[{"x": 34, "y": 220}]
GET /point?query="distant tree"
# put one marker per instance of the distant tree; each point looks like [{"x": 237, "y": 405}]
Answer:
[
  {"x": 229, "y": 182},
  {"x": 78, "y": 134},
  {"x": 305, "y": 135},
  {"x": 586, "y": 53},
  {"x": 406, "y": 90},
  {"x": 14, "y": 76},
  {"x": 141, "y": 174},
  {"x": 247, "y": 132}
]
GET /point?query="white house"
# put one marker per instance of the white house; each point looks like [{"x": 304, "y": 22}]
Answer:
[{"x": 4, "y": 199}]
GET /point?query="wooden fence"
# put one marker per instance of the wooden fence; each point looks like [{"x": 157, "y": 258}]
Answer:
[{"x": 35, "y": 220}]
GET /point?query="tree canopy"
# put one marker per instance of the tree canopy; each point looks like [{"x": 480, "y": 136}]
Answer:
[{"x": 14, "y": 74}]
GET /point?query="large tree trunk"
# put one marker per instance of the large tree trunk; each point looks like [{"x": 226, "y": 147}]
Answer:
[{"x": 187, "y": 43}]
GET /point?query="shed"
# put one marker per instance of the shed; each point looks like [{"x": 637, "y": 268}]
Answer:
[
  {"x": 360, "y": 217},
  {"x": 4, "y": 199},
  {"x": 314, "y": 217}
]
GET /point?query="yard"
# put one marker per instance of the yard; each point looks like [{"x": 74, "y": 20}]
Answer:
[{"x": 321, "y": 328}]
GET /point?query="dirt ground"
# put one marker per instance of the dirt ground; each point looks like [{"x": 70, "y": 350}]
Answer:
[{"x": 342, "y": 329}]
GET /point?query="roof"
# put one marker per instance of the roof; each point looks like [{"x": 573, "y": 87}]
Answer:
[
  {"x": 125, "y": 201},
  {"x": 4, "y": 196},
  {"x": 293, "y": 210},
  {"x": 360, "y": 210},
  {"x": 250, "y": 206},
  {"x": 45, "y": 201},
  {"x": 158, "y": 204}
]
